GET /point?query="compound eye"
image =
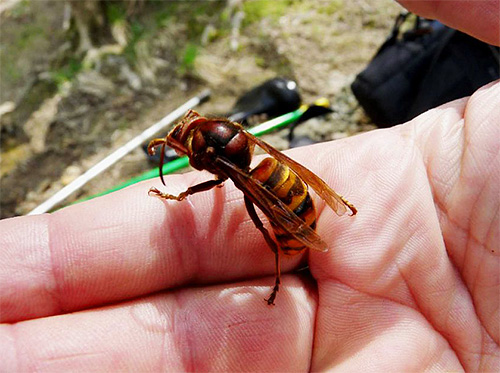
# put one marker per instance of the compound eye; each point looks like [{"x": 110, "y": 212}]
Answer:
[{"x": 176, "y": 132}]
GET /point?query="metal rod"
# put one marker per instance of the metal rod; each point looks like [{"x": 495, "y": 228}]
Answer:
[{"x": 118, "y": 154}]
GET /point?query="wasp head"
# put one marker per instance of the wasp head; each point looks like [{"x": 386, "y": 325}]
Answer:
[{"x": 180, "y": 136}]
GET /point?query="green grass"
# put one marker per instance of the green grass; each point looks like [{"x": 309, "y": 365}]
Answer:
[
  {"x": 67, "y": 72},
  {"x": 255, "y": 10},
  {"x": 138, "y": 32},
  {"x": 116, "y": 12},
  {"x": 330, "y": 7},
  {"x": 20, "y": 43},
  {"x": 188, "y": 57}
]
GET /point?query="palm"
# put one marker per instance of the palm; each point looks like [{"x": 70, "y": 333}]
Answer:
[
  {"x": 413, "y": 283},
  {"x": 410, "y": 283}
]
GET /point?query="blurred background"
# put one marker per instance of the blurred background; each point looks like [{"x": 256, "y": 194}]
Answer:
[{"x": 78, "y": 79}]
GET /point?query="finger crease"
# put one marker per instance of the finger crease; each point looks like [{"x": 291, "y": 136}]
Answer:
[
  {"x": 55, "y": 290},
  {"x": 181, "y": 336}
]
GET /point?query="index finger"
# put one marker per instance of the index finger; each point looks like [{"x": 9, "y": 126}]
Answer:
[{"x": 120, "y": 246}]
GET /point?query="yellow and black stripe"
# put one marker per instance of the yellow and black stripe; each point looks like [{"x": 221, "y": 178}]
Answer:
[{"x": 292, "y": 191}]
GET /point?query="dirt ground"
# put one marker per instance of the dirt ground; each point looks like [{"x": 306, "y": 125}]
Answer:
[{"x": 59, "y": 116}]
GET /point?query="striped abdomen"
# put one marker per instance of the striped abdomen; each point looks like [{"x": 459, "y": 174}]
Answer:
[{"x": 292, "y": 191}]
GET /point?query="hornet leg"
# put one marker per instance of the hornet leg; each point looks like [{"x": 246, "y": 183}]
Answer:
[
  {"x": 274, "y": 247},
  {"x": 207, "y": 185}
]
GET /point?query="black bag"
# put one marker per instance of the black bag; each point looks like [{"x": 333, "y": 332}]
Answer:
[{"x": 426, "y": 67}]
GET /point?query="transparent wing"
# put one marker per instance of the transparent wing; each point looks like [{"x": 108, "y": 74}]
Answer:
[{"x": 335, "y": 201}]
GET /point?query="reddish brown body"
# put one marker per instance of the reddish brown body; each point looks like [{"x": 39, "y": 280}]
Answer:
[
  {"x": 277, "y": 186},
  {"x": 225, "y": 138}
]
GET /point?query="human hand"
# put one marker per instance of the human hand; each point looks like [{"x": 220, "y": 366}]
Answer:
[
  {"x": 410, "y": 283},
  {"x": 478, "y": 18}
]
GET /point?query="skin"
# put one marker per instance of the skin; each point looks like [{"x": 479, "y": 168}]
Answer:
[
  {"x": 411, "y": 283},
  {"x": 478, "y": 18}
]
